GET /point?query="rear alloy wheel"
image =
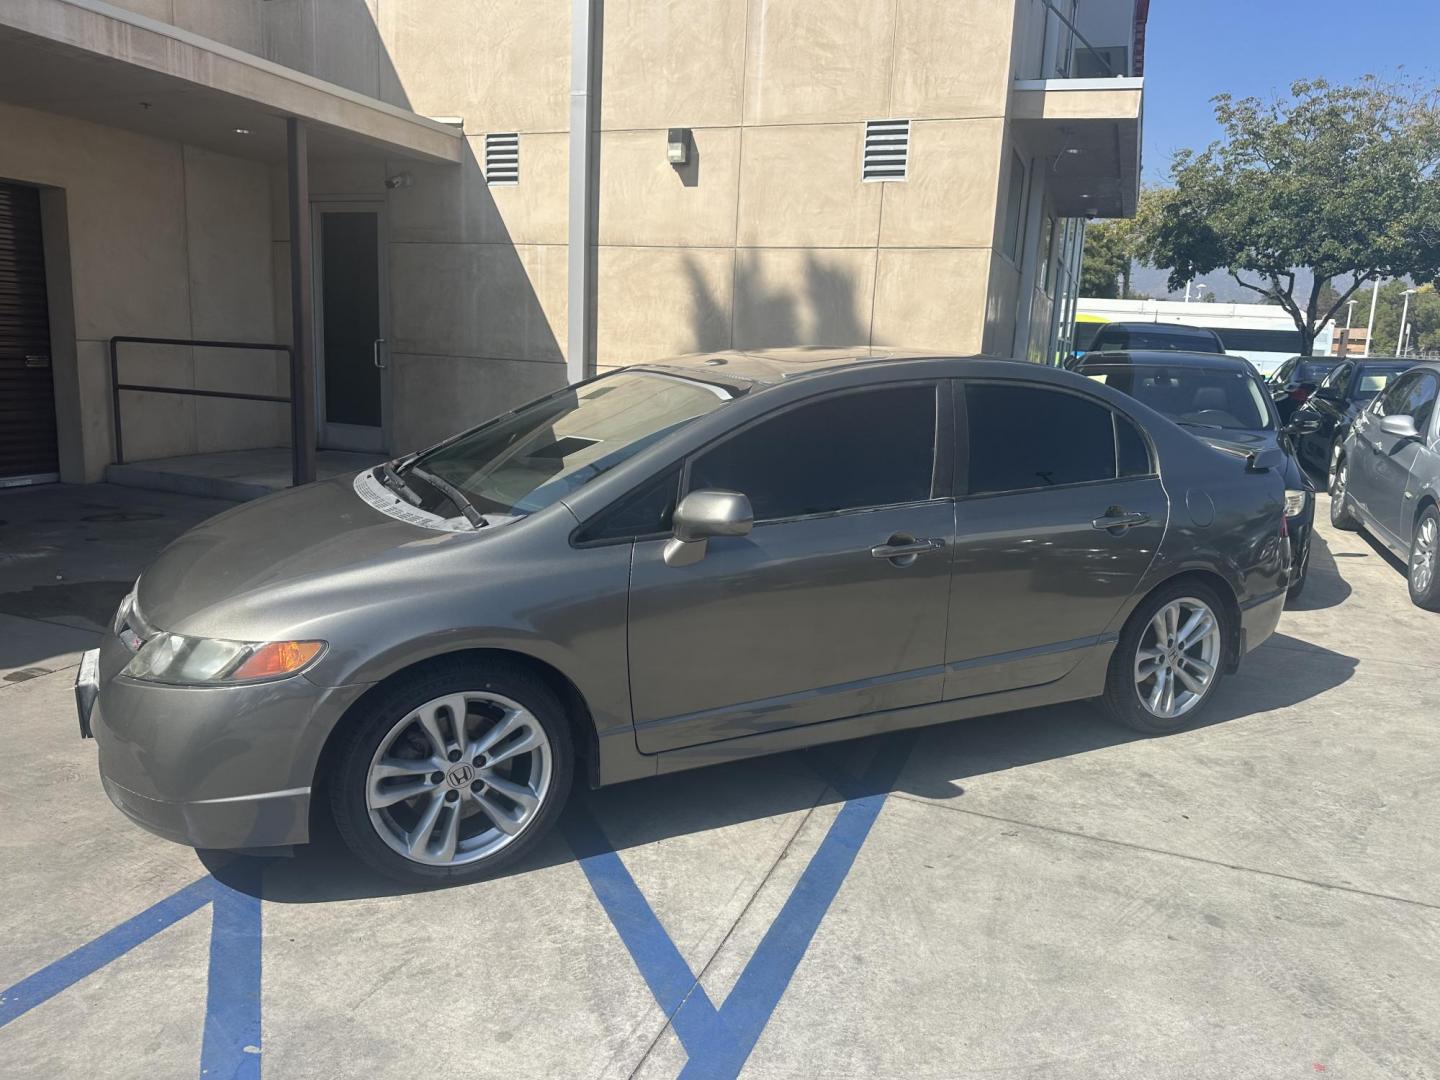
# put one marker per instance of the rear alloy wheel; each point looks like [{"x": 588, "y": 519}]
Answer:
[
  {"x": 1341, "y": 516},
  {"x": 1169, "y": 660},
  {"x": 453, "y": 774},
  {"x": 1424, "y": 581}
]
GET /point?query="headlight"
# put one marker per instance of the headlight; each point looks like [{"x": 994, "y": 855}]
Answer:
[
  {"x": 1295, "y": 502},
  {"x": 188, "y": 661}
]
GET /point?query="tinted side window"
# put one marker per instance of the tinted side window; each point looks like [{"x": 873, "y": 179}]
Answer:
[
  {"x": 1027, "y": 437},
  {"x": 864, "y": 448},
  {"x": 1131, "y": 452},
  {"x": 1393, "y": 400},
  {"x": 1339, "y": 377},
  {"x": 1419, "y": 402}
]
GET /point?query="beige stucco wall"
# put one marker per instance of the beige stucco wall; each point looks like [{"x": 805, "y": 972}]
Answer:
[
  {"x": 164, "y": 240},
  {"x": 771, "y": 237}
]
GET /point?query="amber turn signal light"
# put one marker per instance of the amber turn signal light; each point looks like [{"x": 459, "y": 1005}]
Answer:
[{"x": 277, "y": 658}]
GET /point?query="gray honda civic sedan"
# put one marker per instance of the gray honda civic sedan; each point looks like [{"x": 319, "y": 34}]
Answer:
[{"x": 673, "y": 565}]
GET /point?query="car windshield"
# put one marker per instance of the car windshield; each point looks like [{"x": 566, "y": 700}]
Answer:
[
  {"x": 1196, "y": 396},
  {"x": 523, "y": 462},
  {"x": 1158, "y": 337},
  {"x": 1375, "y": 377}
]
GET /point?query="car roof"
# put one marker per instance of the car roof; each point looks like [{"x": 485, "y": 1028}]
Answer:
[
  {"x": 1155, "y": 357},
  {"x": 1162, "y": 327},
  {"x": 771, "y": 366}
]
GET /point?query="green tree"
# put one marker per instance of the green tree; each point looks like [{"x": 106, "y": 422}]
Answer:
[
  {"x": 1113, "y": 246},
  {"x": 1341, "y": 180},
  {"x": 1424, "y": 318}
]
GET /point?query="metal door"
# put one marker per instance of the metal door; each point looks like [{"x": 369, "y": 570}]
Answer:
[
  {"x": 352, "y": 355},
  {"x": 29, "y": 451}
]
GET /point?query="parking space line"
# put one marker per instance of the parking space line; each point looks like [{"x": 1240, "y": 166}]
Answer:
[
  {"x": 231, "y": 1044},
  {"x": 718, "y": 1042}
]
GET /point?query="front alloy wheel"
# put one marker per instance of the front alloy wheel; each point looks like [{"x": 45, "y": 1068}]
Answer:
[
  {"x": 1341, "y": 516},
  {"x": 451, "y": 771},
  {"x": 458, "y": 778}
]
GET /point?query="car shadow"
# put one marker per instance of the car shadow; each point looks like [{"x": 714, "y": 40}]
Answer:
[
  {"x": 1283, "y": 673},
  {"x": 1325, "y": 586}
]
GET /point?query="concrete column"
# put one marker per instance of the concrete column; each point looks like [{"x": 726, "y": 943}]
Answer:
[
  {"x": 302, "y": 305},
  {"x": 584, "y": 75}
]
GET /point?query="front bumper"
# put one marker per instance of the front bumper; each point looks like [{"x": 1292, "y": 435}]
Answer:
[{"x": 214, "y": 767}]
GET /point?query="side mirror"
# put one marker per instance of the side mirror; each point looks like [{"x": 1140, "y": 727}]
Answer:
[
  {"x": 1272, "y": 457},
  {"x": 1402, "y": 427},
  {"x": 1303, "y": 425},
  {"x": 701, "y": 515}
]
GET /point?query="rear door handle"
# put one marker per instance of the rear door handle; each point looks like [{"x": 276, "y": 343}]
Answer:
[
  {"x": 900, "y": 548},
  {"x": 1117, "y": 520}
]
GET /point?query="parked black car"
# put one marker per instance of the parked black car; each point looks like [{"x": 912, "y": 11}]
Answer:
[
  {"x": 1155, "y": 337},
  {"x": 1221, "y": 400},
  {"x": 1319, "y": 426},
  {"x": 1292, "y": 383}
]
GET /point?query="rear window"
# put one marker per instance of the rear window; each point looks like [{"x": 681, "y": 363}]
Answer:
[
  {"x": 1373, "y": 379},
  {"x": 1157, "y": 336}
]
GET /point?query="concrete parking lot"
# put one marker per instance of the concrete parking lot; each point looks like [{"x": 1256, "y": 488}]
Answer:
[{"x": 1039, "y": 894}]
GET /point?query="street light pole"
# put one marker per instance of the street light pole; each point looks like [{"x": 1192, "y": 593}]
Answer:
[
  {"x": 1404, "y": 316},
  {"x": 1370, "y": 330}
]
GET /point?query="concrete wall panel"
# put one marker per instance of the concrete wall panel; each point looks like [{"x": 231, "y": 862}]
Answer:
[
  {"x": 792, "y": 296},
  {"x": 949, "y": 199},
  {"x": 810, "y": 61},
  {"x": 656, "y": 302},
  {"x": 674, "y": 64},
  {"x": 644, "y": 200},
  {"x": 478, "y": 300},
  {"x": 931, "y": 298},
  {"x": 952, "y": 58},
  {"x": 800, "y": 187},
  {"x": 237, "y": 23}
]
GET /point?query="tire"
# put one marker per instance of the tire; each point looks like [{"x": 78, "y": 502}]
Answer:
[
  {"x": 1128, "y": 697},
  {"x": 1293, "y": 593},
  {"x": 1341, "y": 515},
  {"x": 506, "y": 801},
  {"x": 1423, "y": 569}
]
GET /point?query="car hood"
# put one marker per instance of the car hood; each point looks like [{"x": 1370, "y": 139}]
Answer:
[
  {"x": 1247, "y": 442},
  {"x": 280, "y": 558}
]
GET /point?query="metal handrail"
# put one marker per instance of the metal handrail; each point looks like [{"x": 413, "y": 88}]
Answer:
[
  {"x": 1079, "y": 37},
  {"x": 116, "y": 385}
]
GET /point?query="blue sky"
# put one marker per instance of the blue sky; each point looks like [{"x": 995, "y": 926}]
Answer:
[{"x": 1196, "y": 49}]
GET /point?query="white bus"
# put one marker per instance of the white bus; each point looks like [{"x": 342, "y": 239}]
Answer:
[{"x": 1262, "y": 333}]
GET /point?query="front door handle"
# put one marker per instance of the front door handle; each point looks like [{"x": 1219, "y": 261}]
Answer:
[
  {"x": 903, "y": 550},
  {"x": 1116, "y": 520},
  {"x": 375, "y": 352}
]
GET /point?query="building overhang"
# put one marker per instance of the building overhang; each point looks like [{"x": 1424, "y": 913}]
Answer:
[
  {"x": 97, "y": 62},
  {"x": 1089, "y": 129}
]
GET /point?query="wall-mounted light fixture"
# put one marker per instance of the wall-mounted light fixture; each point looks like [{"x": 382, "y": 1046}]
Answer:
[
  {"x": 399, "y": 180},
  {"x": 679, "y": 145},
  {"x": 242, "y": 131}
]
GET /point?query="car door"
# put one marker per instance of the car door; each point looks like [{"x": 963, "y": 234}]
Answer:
[
  {"x": 812, "y": 616},
  {"x": 1279, "y": 385},
  {"x": 1385, "y": 460},
  {"x": 1060, "y": 511},
  {"x": 1327, "y": 407}
]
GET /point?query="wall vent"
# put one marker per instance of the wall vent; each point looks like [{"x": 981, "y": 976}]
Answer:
[
  {"x": 502, "y": 158},
  {"x": 887, "y": 150}
]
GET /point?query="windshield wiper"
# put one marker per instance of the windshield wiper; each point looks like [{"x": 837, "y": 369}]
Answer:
[
  {"x": 396, "y": 483},
  {"x": 451, "y": 492}
]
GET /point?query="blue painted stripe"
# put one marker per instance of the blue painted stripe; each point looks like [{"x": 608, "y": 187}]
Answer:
[
  {"x": 231, "y": 1046},
  {"x": 719, "y": 1043},
  {"x": 671, "y": 982},
  {"x": 17, "y": 1000}
]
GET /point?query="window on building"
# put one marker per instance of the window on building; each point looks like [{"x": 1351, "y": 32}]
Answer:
[
  {"x": 1026, "y": 437},
  {"x": 846, "y": 452},
  {"x": 1015, "y": 209}
]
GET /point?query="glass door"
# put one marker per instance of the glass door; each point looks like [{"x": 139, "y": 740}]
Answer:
[{"x": 352, "y": 358}]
